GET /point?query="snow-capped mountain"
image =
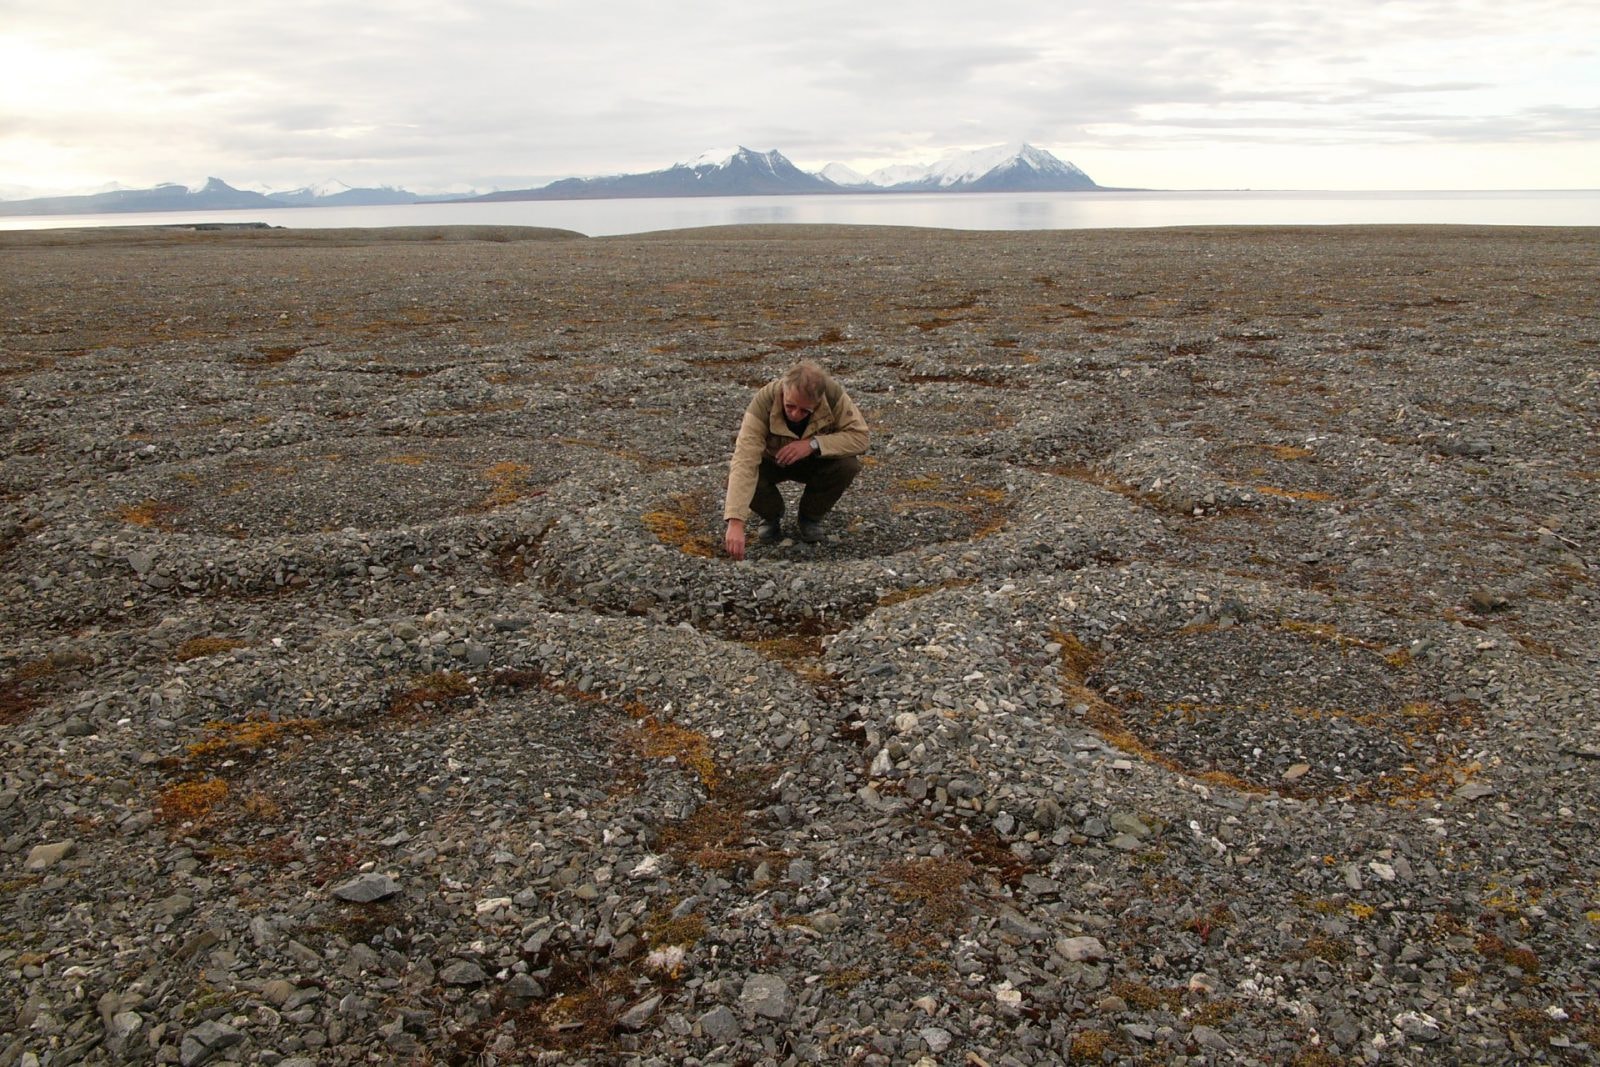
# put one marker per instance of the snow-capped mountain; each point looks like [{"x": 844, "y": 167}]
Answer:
[
  {"x": 213, "y": 194},
  {"x": 735, "y": 171},
  {"x": 1005, "y": 168},
  {"x": 336, "y": 193},
  {"x": 719, "y": 172},
  {"x": 897, "y": 174},
  {"x": 841, "y": 175}
]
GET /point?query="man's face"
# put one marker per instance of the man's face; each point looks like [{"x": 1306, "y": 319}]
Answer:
[{"x": 797, "y": 408}]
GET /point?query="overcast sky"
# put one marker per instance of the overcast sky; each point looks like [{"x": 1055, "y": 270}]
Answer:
[{"x": 437, "y": 94}]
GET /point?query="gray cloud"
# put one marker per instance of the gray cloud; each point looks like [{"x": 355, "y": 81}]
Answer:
[{"x": 418, "y": 92}]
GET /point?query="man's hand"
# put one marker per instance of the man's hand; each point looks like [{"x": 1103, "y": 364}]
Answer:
[
  {"x": 793, "y": 452},
  {"x": 733, "y": 539}
]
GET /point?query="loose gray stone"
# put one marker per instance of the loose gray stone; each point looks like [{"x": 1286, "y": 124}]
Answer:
[
  {"x": 462, "y": 972},
  {"x": 720, "y": 1025},
  {"x": 277, "y": 991},
  {"x": 766, "y": 995},
  {"x": 638, "y": 1016},
  {"x": 1013, "y": 922},
  {"x": 367, "y": 888},
  {"x": 206, "y": 1041},
  {"x": 1132, "y": 825}
]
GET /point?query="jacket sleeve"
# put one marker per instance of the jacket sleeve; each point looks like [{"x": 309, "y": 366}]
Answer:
[
  {"x": 848, "y": 437},
  {"x": 747, "y": 452}
]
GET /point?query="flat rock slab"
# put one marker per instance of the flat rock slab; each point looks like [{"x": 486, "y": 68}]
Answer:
[
  {"x": 367, "y": 888},
  {"x": 43, "y": 857}
]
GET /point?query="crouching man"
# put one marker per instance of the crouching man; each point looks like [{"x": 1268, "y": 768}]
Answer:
[{"x": 801, "y": 428}]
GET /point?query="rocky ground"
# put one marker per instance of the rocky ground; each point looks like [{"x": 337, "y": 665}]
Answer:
[{"x": 1203, "y": 670}]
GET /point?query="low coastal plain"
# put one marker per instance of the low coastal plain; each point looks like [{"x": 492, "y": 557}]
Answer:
[{"x": 1202, "y": 670}]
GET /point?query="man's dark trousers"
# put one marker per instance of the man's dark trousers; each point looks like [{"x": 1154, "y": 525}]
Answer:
[{"x": 825, "y": 479}]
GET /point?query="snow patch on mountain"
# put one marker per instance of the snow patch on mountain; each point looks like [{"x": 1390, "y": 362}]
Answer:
[
  {"x": 897, "y": 174},
  {"x": 724, "y": 158},
  {"x": 961, "y": 167},
  {"x": 981, "y": 168},
  {"x": 839, "y": 174},
  {"x": 715, "y": 157}
]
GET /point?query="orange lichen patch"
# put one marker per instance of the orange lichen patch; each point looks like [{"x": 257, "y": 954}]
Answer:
[
  {"x": 660, "y": 928},
  {"x": 1285, "y": 453},
  {"x": 1308, "y": 495},
  {"x": 936, "y": 884},
  {"x": 1101, "y": 480},
  {"x": 261, "y": 807},
  {"x": 800, "y": 653},
  {"x": 583, "y": 1016},
  {"x": 200, "y": 647},
  {"x": 507, "y": 480},
  {"x": 406, "y": 460},
  {"x": 932, "y": 492},
  {"x": 21, "y": 691},
  {"x": 34, "y": 671},
  {"x": 1077, "y": 663},
  {"x": 268, "y": 355},
  {"x": 1328, "y": 949},
  {"x": 1396, "y": 658},
  {"x": 1077, "y": 660},
  {"x": 1493, "y": 947},
  {"x": 664, "y": 740},
  {"x": 709, "y": 838},
  {"x": 17, "y": 701},
  {"x": 789, "y": 647},
  {"x": 235, "y": 740},
  {"x": 190, "y": 801},
  {"x": 440, "y": 690},
  {"x": 673, "y": 524},
  {"x": 1091, "y": 1046},
  {"x": 988, "y": 529},
  {"x": 716, "y": 836},
  {"x": 1146, "y": 997},
  {"x": 150, "y": 514},
  {"x": 900, "y": 596}
]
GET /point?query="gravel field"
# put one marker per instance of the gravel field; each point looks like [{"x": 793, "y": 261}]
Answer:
[{"x": 1202, "y": 671}]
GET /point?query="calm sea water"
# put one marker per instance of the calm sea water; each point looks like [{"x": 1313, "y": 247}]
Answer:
[{"x": 965, "y": 211}]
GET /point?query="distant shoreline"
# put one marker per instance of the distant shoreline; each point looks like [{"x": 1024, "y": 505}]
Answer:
[{"x": 1105, "y": 209}]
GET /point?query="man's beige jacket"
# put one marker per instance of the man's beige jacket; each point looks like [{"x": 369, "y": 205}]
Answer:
[{"x": 835, "y": 422}]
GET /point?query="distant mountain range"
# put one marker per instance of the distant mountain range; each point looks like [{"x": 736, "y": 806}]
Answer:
[
  {"x": 214, "y": 195},
  {"x": 731, "y": 172},
  {"x": 743, "y": 172}
]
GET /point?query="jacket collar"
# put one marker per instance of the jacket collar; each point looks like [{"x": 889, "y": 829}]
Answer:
[{"x": 821, "y": 415}]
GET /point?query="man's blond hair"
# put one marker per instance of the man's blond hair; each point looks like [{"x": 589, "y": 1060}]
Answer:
[{"x": 807, "y": 379}]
